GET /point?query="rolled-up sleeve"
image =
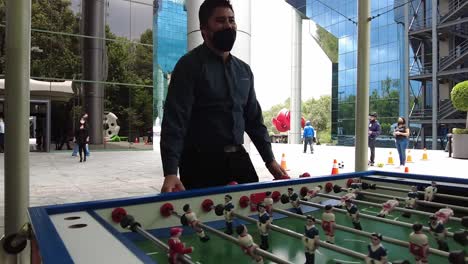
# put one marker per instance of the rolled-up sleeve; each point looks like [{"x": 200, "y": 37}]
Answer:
[
  {"x": 255, "y": 127},
  {"x": 177, "y": 112}
]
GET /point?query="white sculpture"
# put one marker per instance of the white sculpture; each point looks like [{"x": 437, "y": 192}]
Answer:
[{"x": 111, "y": 128}]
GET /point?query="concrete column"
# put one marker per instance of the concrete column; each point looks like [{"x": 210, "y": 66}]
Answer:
[
  {"x": 18, "y": 46},
  {"x": 296, "y": 77},
  {"x": 435, "y": 68},
  {"x": 93, "y": 70},
  {"x": 241, "y": 49},
  {"x": 405, "y": 100},
  {"x": 362, "y": 96}
]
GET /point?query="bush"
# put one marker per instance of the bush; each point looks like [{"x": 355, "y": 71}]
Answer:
[
  {"x": 459, "y": 131},
  {"x": 324, "y": 136},
  {"x": 459, "y": 96}
]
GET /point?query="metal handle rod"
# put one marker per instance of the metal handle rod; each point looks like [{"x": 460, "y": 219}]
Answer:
[
  {"x": 184, "y": 258},
  {"x": 257, "y": 251},
  {"x": 441, "y": 195},
  {"x": 432, "y": 250},
  {"x": 291, "y": 233},
  {"x": 433, "y": 204},
  {"x": 379, "y": 205}
]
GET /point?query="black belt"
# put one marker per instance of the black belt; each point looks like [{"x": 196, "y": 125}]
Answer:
[
  {"x": 217, "y": 149},
  {"x": 232, "y": 148}
]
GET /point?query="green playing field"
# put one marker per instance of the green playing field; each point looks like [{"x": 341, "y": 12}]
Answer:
[{"x": 218, "y": 250}]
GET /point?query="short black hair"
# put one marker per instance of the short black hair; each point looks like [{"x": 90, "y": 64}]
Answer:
[
  {"x": 328, "y": 207},
  {"x": 228, "y": 196},
  {"x": 268, "y": 193},
  {"x": 309, "y": 217},
  {"x": 240, "y": 229},
  {"x": 290, "y": 189},
  {"x": 377, "y": 235},
  {"x": 417, "y": 227},
  {"x": 207, "y": 8},
  {"x": 186, "y": 207}
]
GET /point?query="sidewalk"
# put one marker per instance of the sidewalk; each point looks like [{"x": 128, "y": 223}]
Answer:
[{"x": 57, "y": 178}]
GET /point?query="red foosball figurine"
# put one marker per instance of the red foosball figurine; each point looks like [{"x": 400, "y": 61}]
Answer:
[
  {"x": 328, "y": 224},
  {"x": 247, "y": 243},
  {"x": 387, "y": 207},
  {"x": 419, "y": 244},
  {"x": 176, "y": 247},
  {"x": 443, "y": 215}
]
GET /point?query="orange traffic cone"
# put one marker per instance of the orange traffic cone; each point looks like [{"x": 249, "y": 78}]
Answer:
[
  {"x": 409, "y": 159},
  {"x": 335, "y": 168},
  {"x": 424, "y": 156},
  {"x": 283, "y": 162},
  {"x": 406, "y": 170},
  {"x": 390, "y": 159},
  {"x": 136, "y": 140}
]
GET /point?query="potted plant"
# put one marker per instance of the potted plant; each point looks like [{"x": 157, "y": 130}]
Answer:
[{"x": 459, "y": 96}]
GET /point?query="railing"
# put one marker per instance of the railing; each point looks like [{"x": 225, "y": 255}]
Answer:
[
  {"x": 421, "y": 69},
  {"x": 454, "y": 6},
  {"x": 453, "y": 54},
  {"x": 421, "y": 24},
  {"x": 419, "y": 114}
]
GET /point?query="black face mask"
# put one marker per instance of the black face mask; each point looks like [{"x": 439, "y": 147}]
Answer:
[{"x": 223, "y": 40}]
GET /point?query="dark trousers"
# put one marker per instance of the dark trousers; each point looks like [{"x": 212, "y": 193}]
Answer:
[
  {"x": 201, "y": 169},
  {"x": 308, "y": 141},
  {"x": 2, "y": 142},
  {"x": 82, "y": 149},
  {"x": 372, "y": 149}
]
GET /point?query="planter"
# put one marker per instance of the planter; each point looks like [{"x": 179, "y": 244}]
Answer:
[{"x": 460, "y": 146}]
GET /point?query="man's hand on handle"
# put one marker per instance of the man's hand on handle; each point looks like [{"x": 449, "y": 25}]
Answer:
[
  {"x": 275, "y": 169},
  {"x": 172, "y": 184}
]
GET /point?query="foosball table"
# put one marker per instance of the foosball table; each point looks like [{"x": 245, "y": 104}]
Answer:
[{"x": 363, "y": 217}]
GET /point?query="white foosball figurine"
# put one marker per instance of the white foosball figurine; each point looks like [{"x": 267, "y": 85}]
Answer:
[
  {"x": 377, "y": 253},
  {"x": 192, "y": 221},
  {"x": 439, "y": 232},
  {"x": 247, "y": 243},
  {"x": 387, "y": 207},
  {"x": 311, "y": 240},
  {"x": 430, "y": 191},
  {"x": 268, "y": 201},
  {"x": 263, "y": 223}
]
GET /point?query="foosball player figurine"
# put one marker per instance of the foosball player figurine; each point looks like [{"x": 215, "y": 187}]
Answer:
[
  {"x": 294, "y": 199},
  {"x": 247, "y": 243},
  {"x": 430, "y": 191},
  {"x": 311, "y": 239},
  {"x": 439, "y": 232},
  {"x": 344, "y": 198},
  {"x": 353, "y": 212},
  {"x": 443, "y": 215},
  {"x": 268, "y": 201},
  {"x": 263, "y": 225},
  {"x": 228, "y": 208},
  {"x": 176, "y": 247},
  {"x": 313, "y": 192},
  {"x": 419, "y": 244},
  {"x": 387, "y": 207},
  {"x": 328, "y": 224},
  {"x": 410, "y": 200},
  {"x": 377, "y": 253},
  {"x": 190, "y": 218}
]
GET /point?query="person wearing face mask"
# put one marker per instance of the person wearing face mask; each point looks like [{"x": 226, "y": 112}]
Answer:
[
  {"x": 81, "y": 139},
  {"x": 210, "y": 103},
  {"x": 401, "y": 134}
]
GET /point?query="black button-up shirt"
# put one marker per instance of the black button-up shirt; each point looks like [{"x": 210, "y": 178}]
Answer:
[{"x": 210, "y": 103}]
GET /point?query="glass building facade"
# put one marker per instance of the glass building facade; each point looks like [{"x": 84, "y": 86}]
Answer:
[{"x": 386, "y": 77}]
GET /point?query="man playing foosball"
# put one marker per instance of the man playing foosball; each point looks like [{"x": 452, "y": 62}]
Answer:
[
  {"x": 228, "y": 208},
  {"x": 263, "y": 225},
  {"x": 192, "y": 221},
  {"x": 353, "y": 212},
  {"x": 176, "y": 247},
  {"x": 328, "y": 224},
  {"x": 419, "y": 244},
  {"x": 294, "y": 199},
  {"x": 439, "y": 232},
  {"x": 377, "y": 253},
  {"x": 387, "y": 207},
  {"x": 247, "y": 243},
  {"x": 311, "y": 240}
]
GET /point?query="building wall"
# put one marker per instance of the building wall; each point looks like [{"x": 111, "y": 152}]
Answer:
[{"x": 385, "y": 88}]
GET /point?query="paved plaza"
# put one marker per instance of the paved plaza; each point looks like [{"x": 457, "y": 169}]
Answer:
[{"x": 58, "y": 178}]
